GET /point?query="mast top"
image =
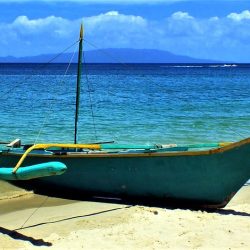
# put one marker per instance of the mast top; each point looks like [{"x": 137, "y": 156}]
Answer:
[{"x": 81, "y": 32}]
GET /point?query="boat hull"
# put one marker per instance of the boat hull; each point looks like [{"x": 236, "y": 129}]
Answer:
[{"x": 207, "y": 178}]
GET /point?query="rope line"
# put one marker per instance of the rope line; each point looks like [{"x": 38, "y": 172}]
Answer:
[
  {"x": 46, "y": 118},
  {"x": 116, "y": 59},
  {"x": 43, "y": 202},
  {"x": 39, "y": 68},
  {"x": 90, "y": 97},
  {"x": 128, "y": 66}
]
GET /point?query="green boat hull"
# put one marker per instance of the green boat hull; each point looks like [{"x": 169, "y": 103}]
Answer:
[{"x": 207, "y": 178}]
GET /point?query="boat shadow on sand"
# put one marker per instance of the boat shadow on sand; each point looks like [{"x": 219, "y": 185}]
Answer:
[
  {"x": 19, "y": 236},
  {"x": 72, "y": 194},
  {"x": 56, "y": 192},
  {"x": 14, "y": 234}
]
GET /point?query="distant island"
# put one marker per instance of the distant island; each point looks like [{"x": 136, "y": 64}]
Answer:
[{"x": 111, "y": 56}]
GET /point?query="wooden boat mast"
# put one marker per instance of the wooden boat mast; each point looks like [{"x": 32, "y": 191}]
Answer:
[{"x": 78, "y": 84}]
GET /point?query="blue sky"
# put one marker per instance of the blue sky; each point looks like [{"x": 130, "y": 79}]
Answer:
[{"x": 215, "y": 29}]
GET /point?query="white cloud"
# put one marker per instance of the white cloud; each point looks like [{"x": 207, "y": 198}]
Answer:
[
  {"x": 55, "y": 27},
  {"x": 218, "y": 38},
  {"x": 239, "y": 17},
  {"x": 181, "y": 15},
  {"x": 113, "y": 28},
  {"x": 214, "y": 18},
  {"x": 112, "y": 13},
  {"x": 26, "y": 36},
  {"x": 115, "y": 16},
  {"x": 25, "y": 22},
  {"x": 51, "y": 34}
]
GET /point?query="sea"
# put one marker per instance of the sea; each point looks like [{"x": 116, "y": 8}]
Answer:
[{"x": 125, "y": 103}]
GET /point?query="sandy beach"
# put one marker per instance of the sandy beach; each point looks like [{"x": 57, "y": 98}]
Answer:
[{"x": 32, "y": 221}]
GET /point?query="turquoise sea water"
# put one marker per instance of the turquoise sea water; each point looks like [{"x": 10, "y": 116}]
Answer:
[{"x": 141, "y": 103}]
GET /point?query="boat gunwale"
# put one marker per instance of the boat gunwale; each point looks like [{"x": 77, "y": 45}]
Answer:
[{"x": 134, "y": 154}]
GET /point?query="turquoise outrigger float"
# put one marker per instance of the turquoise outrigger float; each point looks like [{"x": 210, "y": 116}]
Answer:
[
  {"x": 206, "y": 175},
  {"x": 33, "y": 172}
]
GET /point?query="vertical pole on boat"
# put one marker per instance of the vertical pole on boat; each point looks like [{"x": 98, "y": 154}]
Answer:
[{"x": 78, "y": 84}]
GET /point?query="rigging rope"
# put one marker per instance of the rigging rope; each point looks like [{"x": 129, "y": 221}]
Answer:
[
  {"x": 46, "y": 118},
  {"x": 116, "y": 59},
  {"x": 39, "y": 68},
  {"x": 88, "y": 86},
  {"x": 90, "y": 97},
  {"x": 33, "y": 212},
  {"x": 128, "y": 66}
]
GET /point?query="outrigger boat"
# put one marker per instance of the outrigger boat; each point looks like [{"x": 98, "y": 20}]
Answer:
[{"x": 202, "y": 174}]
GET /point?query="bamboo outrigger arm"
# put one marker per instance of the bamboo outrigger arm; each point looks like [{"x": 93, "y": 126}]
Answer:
[{"x": 46, "y": 146}]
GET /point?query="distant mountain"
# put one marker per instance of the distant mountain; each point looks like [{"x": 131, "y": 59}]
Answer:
[{"x": 111, "y": 56}]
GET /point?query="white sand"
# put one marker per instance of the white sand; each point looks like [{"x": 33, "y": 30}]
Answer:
[{"x": 94, "y": 225}]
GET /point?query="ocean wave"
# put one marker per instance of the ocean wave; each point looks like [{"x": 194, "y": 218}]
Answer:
[
  {"x": 200, "y": 66},
  {"x": 223, "y": 66},
  {"x": 183, "y": 66}
]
